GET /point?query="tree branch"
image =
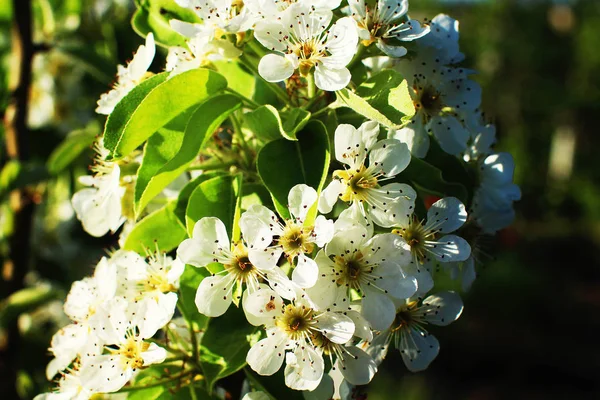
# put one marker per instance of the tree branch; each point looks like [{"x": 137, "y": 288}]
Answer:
[{"x": 15, "y": 266}]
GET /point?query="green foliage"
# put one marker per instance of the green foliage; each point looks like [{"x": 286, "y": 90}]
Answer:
[
  {"x": 70, "y": 149},
  {"x": 216, "y": 197},
  {"x": 225, "y": 345},
  {"x": 175, "y": 152},
  {"x": 15, "y": 175},
  {"x": 160, "y": 230},
  {"x": 282, "y": 164},
  {"x": 188, "y": 285},
  {"x": 265, "y": 122},
  {"x": 383, "y": 98},
  {"x": 146, "y": 110},
  {"x": 154, "y": 16}
]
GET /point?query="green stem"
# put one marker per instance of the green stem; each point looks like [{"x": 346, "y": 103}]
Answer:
[
  {"x": 311, "y": 88},
  {"x": 249, "y": 102},
  {"x": 321, "y": 111},
  {"x": 158, "y": 382},
  {"x": 237, "y": 128}
]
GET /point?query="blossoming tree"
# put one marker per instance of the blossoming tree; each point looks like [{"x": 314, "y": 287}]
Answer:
[{"x": 271, "y": 185}]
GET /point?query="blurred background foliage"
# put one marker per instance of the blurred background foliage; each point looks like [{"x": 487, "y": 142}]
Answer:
[{"x": 530, "y": 325}]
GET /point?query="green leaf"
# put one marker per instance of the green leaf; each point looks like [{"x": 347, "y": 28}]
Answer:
[
  {"x": 161, "y": 230},
  {"x": 273, "y": 385},
  {"x": 175, "y": 156},
  {"x": 428, "y": 178},
  {"x": 225, "y": 345},
  {"x": 188, "y": 189},
  {"x": 282, "y": 164},
  {"x": 267, "y": 125},
  {"x": 16, "y": 175},
  {"x": 215, "y": 197},
  {"x": 154, "y": 16},
  {"x": 25, "y": 300},
  {"x": 160, "y": 148},
  {"x": 140, "y": 118},
  {"x": 238, "y": 78},
  {"x": 383, "y": 98},
  {"x": 188, "y": 285},
  {"x": 74, "y": 144}
]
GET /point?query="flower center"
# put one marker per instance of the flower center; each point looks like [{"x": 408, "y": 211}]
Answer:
[
  {"x": 296, "y": 321},
  {"x": 295, "y": 240},
  {"x": 428, "y": 99},
  {"x": 352, "y": 270},
  {"x": 157, "y": 281},
  {"x": 320, "y": 340},
  {"x": 405, "y": 317},
  {"x": 415, "y": 235},
  {"x": 308, "y": 53},
  {"x": 131, "y": 352},
  {"x": 358, "y": 183},
  {"x": 240, "y": 265}
]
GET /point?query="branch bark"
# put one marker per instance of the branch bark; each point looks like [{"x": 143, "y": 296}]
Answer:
[{"x": 15, "y": 266}]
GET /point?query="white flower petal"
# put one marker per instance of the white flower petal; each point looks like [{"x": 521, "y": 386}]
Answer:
[
  {"x": 450, "y": 133},
  {"x": 304, "y": 368},
  {"x": 446, "y": 215},
  {"x": 391, "y": 155},
  {"x": 330, "y": 195},
  {"x": 418, "y": 349},
  {"x": 275, "y": 68},
  {"x": 266, "y": 356},
  {"x": 265, "y": 259},
  {"x": 213, "y": 297},
  {"x": 442, "y": 308},
  {"x": 256, "y": 233},
  {"x": 414, "y": 135},
  {"x": 306, "y": 272},
  {"x": 300, "y": 199},
  {"x": 337, "y": 327},
  {"x": 323, "y": 230},
  {"x": 377, "y": 308},
  {"x": 105, "y": 374},
  {"x": 330, "y": 79},
  {"x": 261, "y": 306},
  {"x": 358, "y": 368},
  {"x": 450, "y": 248},
  {"x": 213, "y": 230},
  {"x": 362, "y": 328},
  {"x": 154, "y": 354}
]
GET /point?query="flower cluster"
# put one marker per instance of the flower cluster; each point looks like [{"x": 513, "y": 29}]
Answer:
[
  {"x": 333, "y": 271},
  {"x": 114, "y": 312}
]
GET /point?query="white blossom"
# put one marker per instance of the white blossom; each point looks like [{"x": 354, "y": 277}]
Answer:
[
  {"x": 385, "y": 21},
  {"x": 371, "y": 266},
  {"x": 210, "y": 244},
  {"x": 368, "y": 163},
  {"x": 270, "y": 9},
  {"x": 408, "y": 332},
  {"x": 427, "y": 246},
  {"x": 493, "y": 199},
  {"x": 296, "y": 332},
  {"x": 203, "y": 49},
  {"x": 302, "y": 41},
  {"x": 128, "y": 77},
  {"x": 126, "y": 351},
  {"x": 293, "y": 238},
  {"x": 220, "y": 17},
  {"x": 98, "y": 206}
]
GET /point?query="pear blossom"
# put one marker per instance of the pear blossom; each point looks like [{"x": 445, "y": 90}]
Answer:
[
  {"x": 442, "y": 40},
  {"x": 220, "y": 17},
  {"x": 296, "y": 332},
  {"x": 293, "y": 238},
  {"x": 268, "y": 9},
  {"x": 367, "y": 164},
  {"x": 371, "y": 266},
  {"x": 70, "y": 387},
  {"x": 443, "y": 98},
  {"x": 98, "y": 207},
  {"x": 126, "y": 351},
  {"x": 385, "y": 21},
  {"x": 210, "y": 244},
  {"x": 155, "y": 281},
  {"x": 408, "y": 332},
  {"x": 203, "y": 49},
  {"x": 301, "y": 40},
  {"x": 128, "y": 77},
  {"x": 483, "y": 137},
  {"x": 425, "y": 244},
  {"x": 493, "y": 199}
]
